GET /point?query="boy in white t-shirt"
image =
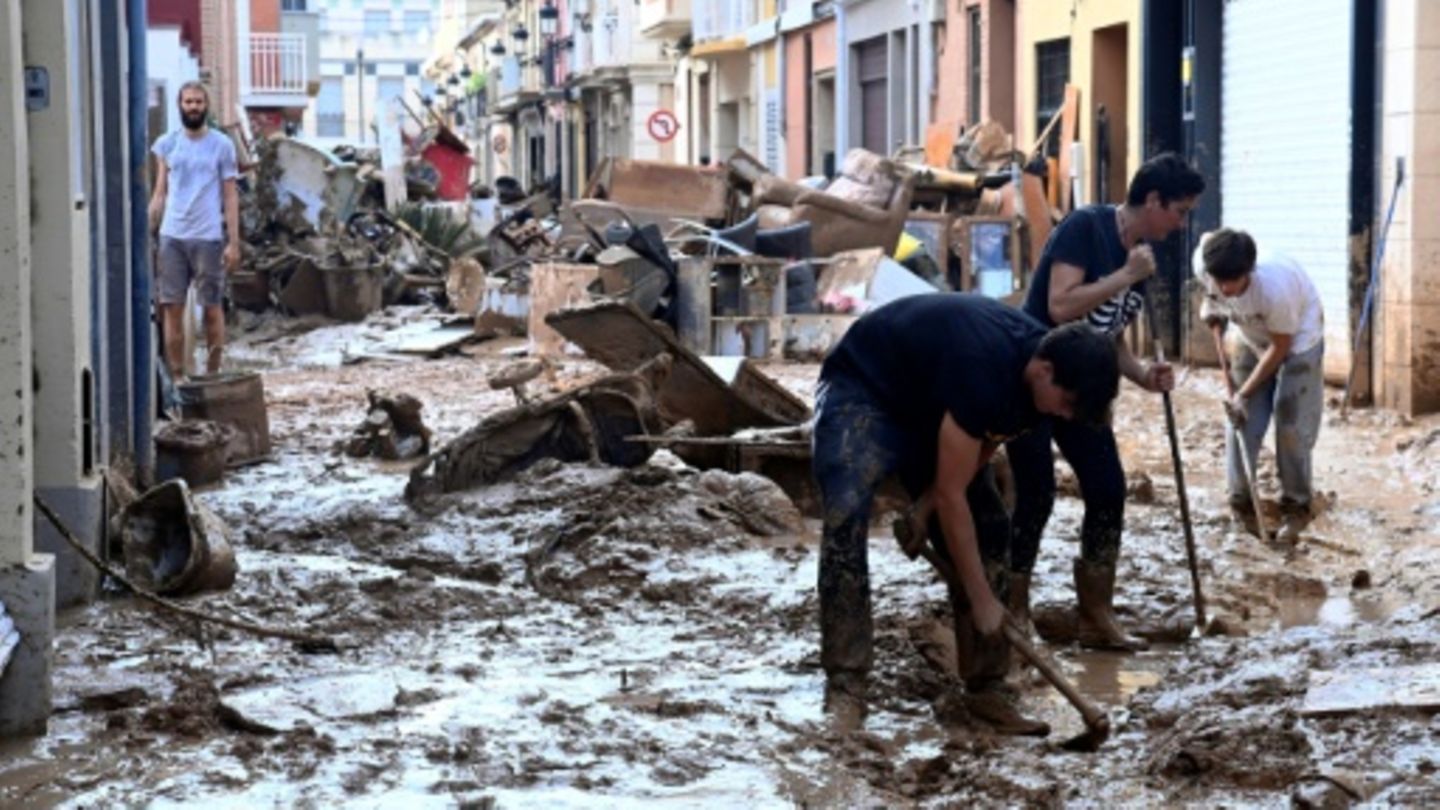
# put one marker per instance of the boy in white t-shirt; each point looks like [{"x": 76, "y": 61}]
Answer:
[{"x": 1277, "y": 369}]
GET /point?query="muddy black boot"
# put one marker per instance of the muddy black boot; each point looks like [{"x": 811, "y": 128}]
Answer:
[
  {"x": 1095, "y": 588},
  {"x": 1019, "y": 603},
  {"x": 983, "y": 663},
  {"x": 845, "y": 699}
]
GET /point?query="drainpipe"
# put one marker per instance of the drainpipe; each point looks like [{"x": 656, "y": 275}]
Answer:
[
  {"x": 843, "y": 110},
  {"x": 141, "y": 334}
]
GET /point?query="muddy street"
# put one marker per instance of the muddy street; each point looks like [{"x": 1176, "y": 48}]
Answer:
[{"x": 592, "y": 635}]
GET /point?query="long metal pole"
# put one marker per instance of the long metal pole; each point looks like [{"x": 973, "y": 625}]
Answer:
[{"x": 1179, "y": 474}]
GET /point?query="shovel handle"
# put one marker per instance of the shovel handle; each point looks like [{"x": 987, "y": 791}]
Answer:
[
  {"x": 1089, "y": 712},
  {"x": 1093, "y": 718}
]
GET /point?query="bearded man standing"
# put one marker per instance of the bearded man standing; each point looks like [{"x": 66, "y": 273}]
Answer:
[{"x": 194, "y": 184}]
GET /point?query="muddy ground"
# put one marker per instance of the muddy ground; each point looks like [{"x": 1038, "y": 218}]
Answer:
[{"x": 592, "y": 636}]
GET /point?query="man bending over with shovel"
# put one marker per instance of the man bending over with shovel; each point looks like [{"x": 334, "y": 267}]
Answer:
[
  {"x": 1277, "y": 367},
  {"x": 927, "y": 387}
]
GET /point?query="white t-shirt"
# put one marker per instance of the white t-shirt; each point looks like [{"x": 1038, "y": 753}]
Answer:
[
  {"x": 195, "y": 193},
  {"x": 1281, "y": 299}
]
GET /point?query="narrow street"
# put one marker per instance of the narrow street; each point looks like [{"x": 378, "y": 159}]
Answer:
[{"x": 669, "y": 654}]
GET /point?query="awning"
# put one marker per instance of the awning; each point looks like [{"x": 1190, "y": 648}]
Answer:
[{"x": 718, "y": 47}]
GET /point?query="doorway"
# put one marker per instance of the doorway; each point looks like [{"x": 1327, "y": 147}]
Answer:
[{"x": 1108, "y": 91}]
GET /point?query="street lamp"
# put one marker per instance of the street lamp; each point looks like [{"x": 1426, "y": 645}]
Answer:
[{"x": 549, "y": 18}]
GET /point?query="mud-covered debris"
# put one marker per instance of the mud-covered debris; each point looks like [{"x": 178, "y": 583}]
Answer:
[
  {"x": 595, "y": 423},
  {"x": 174, "y": 545},
  {"x": 114, "y": 699},
  {"x": 392, "y": 429},
  {"x": 1140, "y": 489}
]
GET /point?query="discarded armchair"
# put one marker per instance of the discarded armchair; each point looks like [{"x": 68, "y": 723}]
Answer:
[{"x": 864, "y": 207}]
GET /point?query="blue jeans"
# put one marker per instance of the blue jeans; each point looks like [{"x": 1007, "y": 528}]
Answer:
[
  {"x": 1295, "y": 398},
  {"x": 856, "y": 446}
]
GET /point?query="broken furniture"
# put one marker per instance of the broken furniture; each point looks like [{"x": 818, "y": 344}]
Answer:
[
  {"x": 865, "y": 206},
  {"x": 173, "y": 544},
  {"x": 719, "y": 395},
  {"x": 441, "y": 148},
  {"x": 989, "y": 256},
  {"x": 653, "y": 191},
  {"x": 732, "y": 305},
  {"x": 591, "y": 423}
]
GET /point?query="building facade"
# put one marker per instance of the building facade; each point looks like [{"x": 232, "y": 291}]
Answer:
[{"x": 371, "y": 53}]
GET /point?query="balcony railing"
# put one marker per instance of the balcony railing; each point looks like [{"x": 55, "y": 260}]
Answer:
[
  {"x": 722, "y": 19},
  {"x": 278, "y": 65}
]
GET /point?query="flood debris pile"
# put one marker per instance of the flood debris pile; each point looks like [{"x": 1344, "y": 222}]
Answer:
[{"x": 321, "y": 238}]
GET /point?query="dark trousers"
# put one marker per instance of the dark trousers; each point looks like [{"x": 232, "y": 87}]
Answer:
[
  {"x": 1093, "y": 456},
  {"x": 856, "y": 446}
]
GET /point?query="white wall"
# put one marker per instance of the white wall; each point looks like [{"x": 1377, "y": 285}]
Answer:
[{"x": 169, "y": 63}]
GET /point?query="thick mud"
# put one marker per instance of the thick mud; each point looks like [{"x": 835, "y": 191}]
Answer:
[{"x": 587, "y": 636}]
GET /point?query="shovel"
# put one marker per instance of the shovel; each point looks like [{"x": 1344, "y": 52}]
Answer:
[
  {"x": 1097, "y": 724},
  {"x": 1190, "y": 554},
  {"x": 1237, "y": 424}
]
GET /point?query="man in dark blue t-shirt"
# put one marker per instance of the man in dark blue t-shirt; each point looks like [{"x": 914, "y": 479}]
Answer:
[
  {"x": 927, "y": 387},
  {"x": 1093, "y": 270}
]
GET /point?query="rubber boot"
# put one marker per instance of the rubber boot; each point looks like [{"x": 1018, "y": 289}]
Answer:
[
  {"x": 983, "y": 663},
  {"x": 845, "y": 699},
  {"x": 1019, "y": 603},
  {"x": 1095, "y": 587}
]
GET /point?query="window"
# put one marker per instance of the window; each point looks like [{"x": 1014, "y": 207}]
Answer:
[
  {"x": 349, "y": 68},
  {"x": 390, "y": 87},
  {"x": 417, "y": 21},
  {"x": 972, "y": 19},
  {"x": 1052, "y": 72},
  {"x": 369, "y": 68},
  {"x": 330, "y": 108},
  {"x": 293, "y": 5},
  {"x": 377, "y": 22},
  {"x": 412, "y": 68}
]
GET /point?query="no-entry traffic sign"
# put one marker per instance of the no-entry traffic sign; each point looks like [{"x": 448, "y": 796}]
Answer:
[{"x": 663, "y": 125}]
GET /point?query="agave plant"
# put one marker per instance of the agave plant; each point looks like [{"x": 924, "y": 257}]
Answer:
[{"x": 440, "y": 229}]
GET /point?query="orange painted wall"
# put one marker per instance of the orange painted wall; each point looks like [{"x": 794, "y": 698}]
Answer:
[
  {"x": 822, "y": 57},
  {"x": 264, "y": 16}
]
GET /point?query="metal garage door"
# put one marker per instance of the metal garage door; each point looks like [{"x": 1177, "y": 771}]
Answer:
[{"x": 1285, "y": 142}]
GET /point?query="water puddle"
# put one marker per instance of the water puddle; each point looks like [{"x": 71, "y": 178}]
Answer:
[{"x": 1334, "y": 611}]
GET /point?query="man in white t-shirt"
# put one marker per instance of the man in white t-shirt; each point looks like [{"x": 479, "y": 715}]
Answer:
[
  {"x": 1277, "y": 369},
  {"x": 197, "y": 209}
]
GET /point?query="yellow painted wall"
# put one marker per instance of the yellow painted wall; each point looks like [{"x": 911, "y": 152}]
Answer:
[{"x": 1043, "y": 20}]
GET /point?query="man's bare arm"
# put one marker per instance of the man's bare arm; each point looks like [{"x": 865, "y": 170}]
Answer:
[
  {"x": 157, "y": 194},
  {"x": 232, "y": 226},
  {"x": 957, "y": 463}
]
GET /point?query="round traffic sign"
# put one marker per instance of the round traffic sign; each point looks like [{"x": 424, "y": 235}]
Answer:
[{"x": 663, "y": 125}]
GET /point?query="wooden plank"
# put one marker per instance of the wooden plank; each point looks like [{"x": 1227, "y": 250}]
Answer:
[
  {"x": 1052, "y": 183},
  {"x": 555, "y": 286},
  {"x": 1069, "y": 120},
  {"x": 940, "y": 143},
  {"x": 1400, "y": 687},
  {"x": 1037, "y": 214},
  {"x": 616, "y": 334}
]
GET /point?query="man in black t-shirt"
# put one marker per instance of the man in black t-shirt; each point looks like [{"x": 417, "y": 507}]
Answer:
[
  {"x": 927, "y": 387},
  {"x": 1094, "y": 269}
]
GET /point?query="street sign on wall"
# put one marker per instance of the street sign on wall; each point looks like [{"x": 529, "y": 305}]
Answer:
[{"x": 663, "y": 126}]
